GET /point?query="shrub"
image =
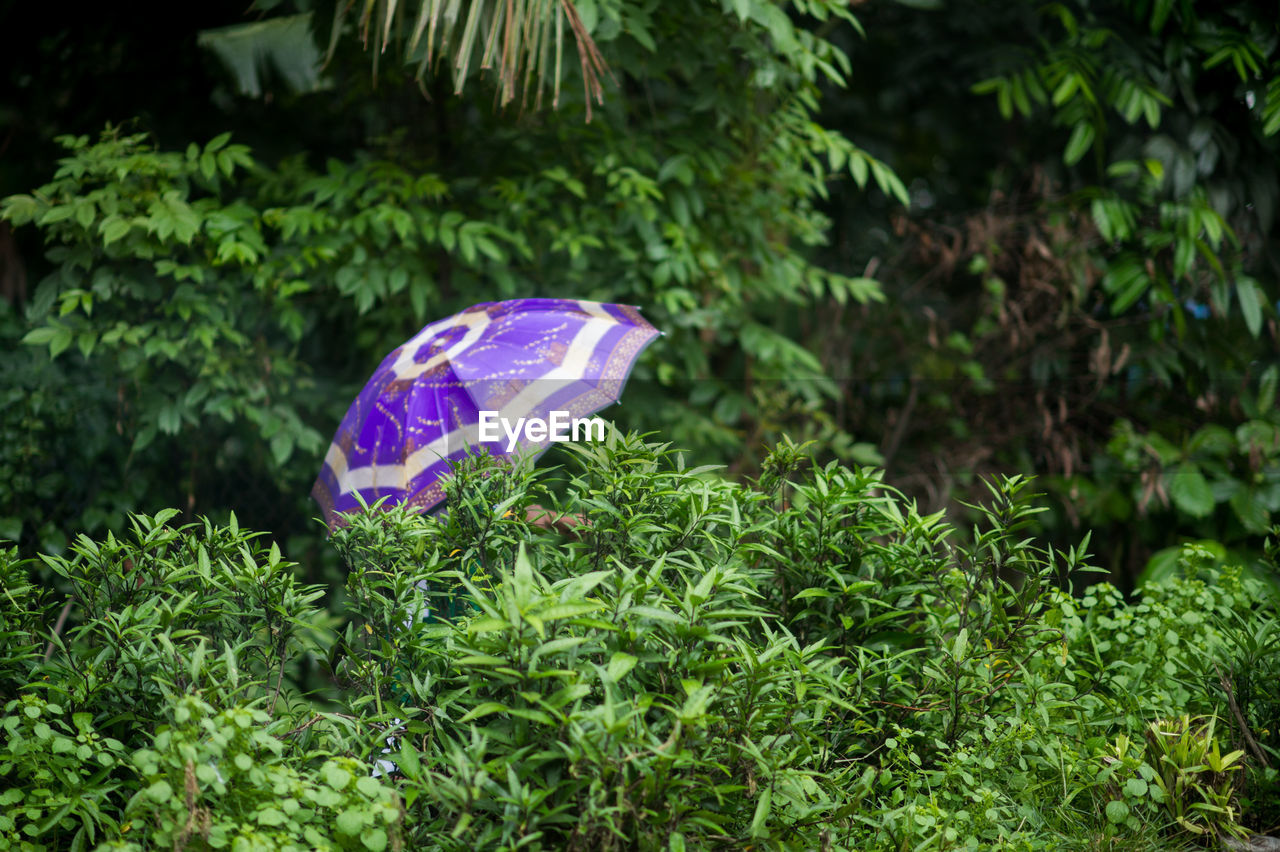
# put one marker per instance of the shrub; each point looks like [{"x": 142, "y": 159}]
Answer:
[
  {"x": 62, "y": 780},
  {"x": 219, "y": 779},
  {"x": 801, "y": 662},
  {"x": 169, "y": 611}
]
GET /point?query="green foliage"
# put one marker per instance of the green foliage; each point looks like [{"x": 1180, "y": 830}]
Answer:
[
  {"x": 627, "y": 689},
  {"x": 803, "y": 661},
  {"x": 221, "y": 309},
  {"x": 58, "y": 436},
  {"x": 217, "y": 779},
  {"x": 947, "y": 690},
  {"x": 168, "y": 282},
  {"x": 61, "y": 780},
  {"x": 1083, "y": 285},
  {"x": 21, "y": 618},
  {"x": 164, "y": 612},
  {"x": 1146, "y": 646},
  {"x": 1194, "y": 776}
]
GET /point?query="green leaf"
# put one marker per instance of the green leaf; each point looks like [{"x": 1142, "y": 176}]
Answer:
[
  {"x": 482, "y": 710},
  {"x": 1267, "y": 388},
  {"x": 763, "y": 806},
  {"x": 1117, "y": 811},
  {"x": 350, "y": 821},
  {"x": 889, "y": 182},
  {"x": 1248, "y": 508},
  {"x": 281, "y": 447},
  {"x": 620, "y": 665},
  {"x": 1251, "y": 299},
  {"x": 271, "y": 816},
  {"x": 656, "y": 613},
  {"x": 1079, "y": 143},
  {"x": 1160, "y": 13},
  {"x": 1190, "y": 491},
  {"x": 160, "y": 792},
  {"x": 858, "y": 168},
  {"x": 567, "y": 610},
  {"x": 85, "y": 341},
  {"x": 408, "y": 759},
  {"x": 56, "y": 214},
  {"x": 144, "y": 438},
  {"x": 335, "y": 776},
  {"x": 113, "y": 228},
  {"x": 1135, "y": 787},
  {"x": 40, "y": 336},
  {"x": 61, "y": 340},
  {"x": 1126, "y": 280},
  {"x": 19, "y": 209}
]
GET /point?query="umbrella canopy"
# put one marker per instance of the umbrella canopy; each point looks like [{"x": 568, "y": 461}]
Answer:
[{"x": 552, "y": 360}]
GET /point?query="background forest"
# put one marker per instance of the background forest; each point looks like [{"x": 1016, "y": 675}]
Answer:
[{"x": 951, "y": 243}]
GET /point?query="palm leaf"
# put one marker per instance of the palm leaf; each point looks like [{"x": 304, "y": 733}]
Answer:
[
  {"x": 516, "y": 39},
  {"x": 285, "y": 44}
]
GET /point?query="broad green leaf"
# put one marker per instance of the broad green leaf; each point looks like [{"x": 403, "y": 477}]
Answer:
[
  {"x": 1117, "y": 811},
  {"x": 113, "y": 228},
  {"x": 1248, "y": 508},
  {"x": 271, "y": 816},
  {"x": 1135, "y": 787},
  {"x": 350, "y": 821},
  {"x": 1190, "y": 491},
  {"x": 62, "y": 339},
  {"x": 160, "y": 792},
  {"x": 335, "y": 776}
]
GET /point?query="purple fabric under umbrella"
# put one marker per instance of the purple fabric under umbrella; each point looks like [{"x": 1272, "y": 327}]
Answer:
[{"x": 524, "y": 358}]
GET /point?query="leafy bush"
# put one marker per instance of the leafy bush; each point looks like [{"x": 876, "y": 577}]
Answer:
[
  {"x": 62, "y": 780},
  {"x": 169, "y": 611},
  {"x": 213, "y": 780},
  {"x": 806, "y": 662}
]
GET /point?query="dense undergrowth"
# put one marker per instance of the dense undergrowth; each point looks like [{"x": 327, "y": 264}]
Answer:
[{"x": 804, "y": 663}]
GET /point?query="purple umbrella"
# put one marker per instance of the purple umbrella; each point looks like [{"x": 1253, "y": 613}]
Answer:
[{"x": 510, "y": 376}]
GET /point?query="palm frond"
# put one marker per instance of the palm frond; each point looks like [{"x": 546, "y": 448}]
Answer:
[
  {"x": 516, "y": 39},
  {"x": 284, "y": 44}
]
